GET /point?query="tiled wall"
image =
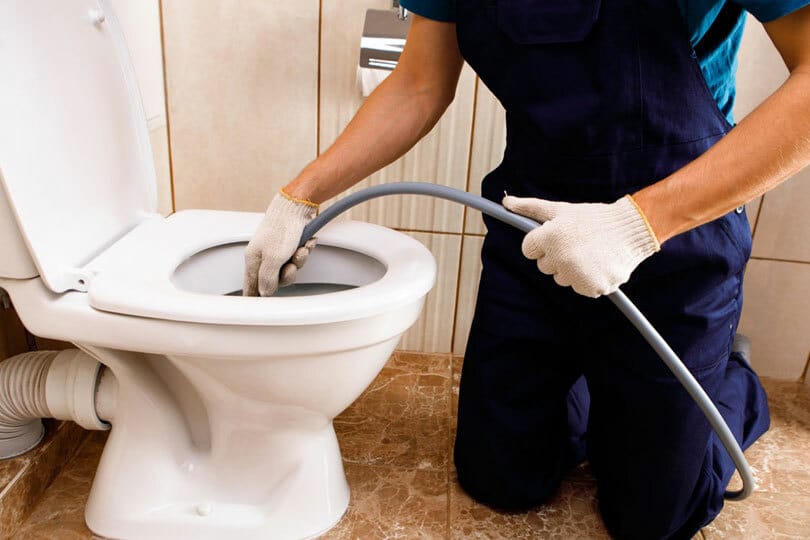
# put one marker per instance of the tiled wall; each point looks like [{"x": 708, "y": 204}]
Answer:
[
  {"x": 140, "y": 20},
  {"x": 242, "y": 80},
  {"x": 257, "y": 89}
]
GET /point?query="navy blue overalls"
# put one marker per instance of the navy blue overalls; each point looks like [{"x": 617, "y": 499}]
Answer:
[{"x": 602, "y": 98}]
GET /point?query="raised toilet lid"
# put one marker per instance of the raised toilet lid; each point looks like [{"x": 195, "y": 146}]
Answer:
[{"x": 75, "y": 160}]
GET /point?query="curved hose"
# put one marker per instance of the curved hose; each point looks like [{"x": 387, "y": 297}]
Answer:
[{"x": 621, "y": 301}]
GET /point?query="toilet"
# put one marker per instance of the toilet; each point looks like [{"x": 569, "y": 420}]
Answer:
[{"x": 221, "y": 423}]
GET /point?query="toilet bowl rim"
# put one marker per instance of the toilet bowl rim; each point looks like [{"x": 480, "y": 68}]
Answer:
[{"x": 133, "y": 277}]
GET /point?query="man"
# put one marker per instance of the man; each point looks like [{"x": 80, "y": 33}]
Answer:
[{"x": 620, "y": 139}]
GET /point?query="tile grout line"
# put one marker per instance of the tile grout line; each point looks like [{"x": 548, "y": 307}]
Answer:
[
  {"x": 760, "y": 208},
  {"x": 13, "y": 481},
  {"x": 774, "y": 259},
  {"x": 166, "y": 104},
  {"x": 463, "y": 229},
  {"x": 455, "y": 303}
]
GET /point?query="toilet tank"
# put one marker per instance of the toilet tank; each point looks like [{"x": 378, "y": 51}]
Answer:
[{"x": 76, "y": 168}]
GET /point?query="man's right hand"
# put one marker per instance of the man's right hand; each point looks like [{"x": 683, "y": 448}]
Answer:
[{"x": 272, "y": 257}]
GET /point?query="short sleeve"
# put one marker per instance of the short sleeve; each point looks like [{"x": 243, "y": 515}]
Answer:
[
  {"x": 769, "y": 10},
  {"x": 438, "y": 10}
]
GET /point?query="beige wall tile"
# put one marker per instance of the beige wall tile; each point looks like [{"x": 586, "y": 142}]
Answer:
[
  {"x": 140, "y": 21},
  {"x": 467, "y": 290},
  {"x": 760, "y": 71},
  {"x": 776, "y": 317},
  {"x": 782, "y": 232},
  {"x": 433, "y": 331},
  {"x": 160, "y": 153},
  {"x": 489, "y": 141},
  {"x": 242, "y": 85},
  {"x": 441, "y": 157}
]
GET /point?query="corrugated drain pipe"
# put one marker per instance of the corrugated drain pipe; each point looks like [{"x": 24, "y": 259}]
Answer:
[{"x": 66, "y": 385}]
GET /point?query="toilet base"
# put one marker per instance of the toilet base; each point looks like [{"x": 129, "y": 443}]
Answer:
[
  {"x": 311, "y": 499},
  {"x": 189, "y": 458}
]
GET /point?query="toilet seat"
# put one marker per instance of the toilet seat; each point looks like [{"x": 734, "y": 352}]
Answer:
[{"x": 134, "y": 275}]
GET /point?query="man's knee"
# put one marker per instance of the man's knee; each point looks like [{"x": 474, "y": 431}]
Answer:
[
  {"x": 505, "y": 494},
  {"x": 649, "y": 517},
  {"x": 506, "y": 484}
]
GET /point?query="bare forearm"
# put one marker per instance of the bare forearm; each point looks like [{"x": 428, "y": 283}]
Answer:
[
  {"x": 402, "y": 110},
  {"x": 393, "y": 118},
  {"x": 767, "y": 147}
]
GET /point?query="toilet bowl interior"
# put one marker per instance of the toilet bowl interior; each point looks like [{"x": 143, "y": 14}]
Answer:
[{"x": 219, "y": 270}]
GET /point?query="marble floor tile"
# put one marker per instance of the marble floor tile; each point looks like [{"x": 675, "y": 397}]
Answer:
[
  {"x": 781, "y": 457},
  {"x": 60, "y": 513},
  {"x": 456, "y": 363},
  {"x": 570, "y": 514},
  {"x": 391, "y": 503},
  {"x": 37, "y": 470},
  {"x": 455, "y": 372},
  {"x": 397, "y": 444},
  {"x": 386, "y": 502},
  {"x": 763, "y": 516},
  {"x": 10, "y": 468},
  {"x": 402, "y": 418}
]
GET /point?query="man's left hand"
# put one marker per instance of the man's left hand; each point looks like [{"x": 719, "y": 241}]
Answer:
[{"x": 592, "y": 247}]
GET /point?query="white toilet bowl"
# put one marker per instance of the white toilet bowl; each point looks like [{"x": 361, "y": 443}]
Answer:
[
  {"x": 222, "y": 425},
  {"x": 223, "y": 422}
]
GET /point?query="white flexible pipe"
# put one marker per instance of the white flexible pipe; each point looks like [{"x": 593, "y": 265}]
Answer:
[
  {"x": 22, "y": 401},
  {"x": 66, "y": 385}
]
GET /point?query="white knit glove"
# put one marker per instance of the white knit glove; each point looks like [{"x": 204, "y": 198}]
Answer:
[
  {"x": 592, "y": 247},
  {"x": 272, "y": 257}
]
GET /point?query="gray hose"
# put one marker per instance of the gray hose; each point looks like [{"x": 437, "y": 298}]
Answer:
[{"x": 618, "y": 298}]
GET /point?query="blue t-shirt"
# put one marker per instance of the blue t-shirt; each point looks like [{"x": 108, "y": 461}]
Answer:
[{"x": 715, "y": 29}]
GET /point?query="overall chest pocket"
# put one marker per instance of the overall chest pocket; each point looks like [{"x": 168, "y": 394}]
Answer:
[{"x": 531, "y": 22}]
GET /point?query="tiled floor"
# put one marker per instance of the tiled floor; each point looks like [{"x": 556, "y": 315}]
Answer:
[
  {"x": 396, "y": 441},
  {"x": 25, "y": 478}
]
